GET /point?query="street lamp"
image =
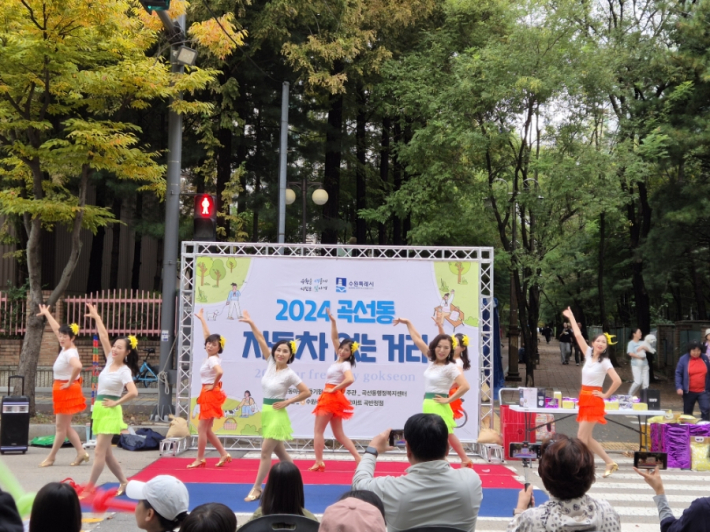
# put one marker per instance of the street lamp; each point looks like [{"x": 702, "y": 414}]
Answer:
[{"x": 319, "y": 197}]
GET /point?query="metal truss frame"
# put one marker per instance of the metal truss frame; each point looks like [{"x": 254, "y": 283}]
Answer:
[{"x": 184, "y": 345}]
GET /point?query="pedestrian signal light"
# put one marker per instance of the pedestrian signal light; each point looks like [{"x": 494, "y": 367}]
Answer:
[
  {"x": 205, "y": 218},
  {"x": 155, "y": 5}
]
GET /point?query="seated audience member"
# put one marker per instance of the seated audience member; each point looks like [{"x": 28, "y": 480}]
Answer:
[
  {"x": 210, "y": 517},
  {"x": 432, "y": 492},
  {"x": 283, "y": 493},
  {"x": 567, "y": 472},
  {"x": 694, "y": 518},
  {"x": 367, "y": 496},
  {"x": 163, "y": 505},
  {"x": 10, "y": 520},
  {"x": 56, "y": 508},
  {"x": 352, "y": 515}
]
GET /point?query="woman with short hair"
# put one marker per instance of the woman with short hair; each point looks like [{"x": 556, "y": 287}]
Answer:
[
  {"x": 692, "y": 380},
  {"x": 567, "y": 472}
]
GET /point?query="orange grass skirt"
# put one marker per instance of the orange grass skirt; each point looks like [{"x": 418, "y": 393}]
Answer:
[
  {"x": 211, "y": 402},
  {"x": 591, "y": 407},
  {"x": 334, "y": 403},
  {"x": 457, "y": 405},
  {"x": 70, "y": 401}
]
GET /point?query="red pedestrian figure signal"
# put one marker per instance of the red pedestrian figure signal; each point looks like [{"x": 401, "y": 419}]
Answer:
[
  {"x": 205, "y": 218},
  {"x": 204, "y": 206}
]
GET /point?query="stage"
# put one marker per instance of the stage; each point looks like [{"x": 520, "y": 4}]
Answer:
[{"x": 230, "y": 484}]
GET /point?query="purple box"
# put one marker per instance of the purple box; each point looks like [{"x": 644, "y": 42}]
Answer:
[
  {"x": 658, "y": 431},
  {"x": 551, "y": 402},
  {"x": 676, "y": 441}
]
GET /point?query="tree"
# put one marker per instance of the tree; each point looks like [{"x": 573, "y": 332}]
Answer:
[
  {"x": 217, "y": 270},
  {"x": 459, "y": 268},
  {"x": 204, "y": 267},
  {"x": 231, "y": 263},
  {"x": 68, "y": 72}
]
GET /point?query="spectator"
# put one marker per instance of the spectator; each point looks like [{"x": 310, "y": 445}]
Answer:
[
  {"x": 565, "y": 339},
  {"x": 694, "y": 518},
  {"x": 706, "y": 343},
  {"x": 547, "y": 333},
  {"x": 639, "y": 364},
  {"x": 692, "y": 380},
  {"x": 56, "y": 508},
  {"x": 352, "y": 515},
  {"x": 432, "y": 492},
  {"x": 567, "y": 472},
  {"x": 10, "y": 520},
  {"x": 210, "y": 517},
  {"x": 367, "y": 496},
  {"x": 163, "y": 505},
  {"x": 283, "y": 493}
]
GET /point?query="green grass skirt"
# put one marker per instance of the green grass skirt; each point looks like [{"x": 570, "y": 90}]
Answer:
[
  {"x": 444, "y": 410},
  {"x": 275, "y": 424},
  {"x": 107, "y": 420}
]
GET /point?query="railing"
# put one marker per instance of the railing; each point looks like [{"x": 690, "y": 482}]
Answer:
[
  {"x": 13, "y": 315},
  {"x": 44, "y": 377},
  {"x": 122, "y": 311}
]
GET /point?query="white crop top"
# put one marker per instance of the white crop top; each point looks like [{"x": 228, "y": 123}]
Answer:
[
  {"x": 275, "y": 384},
  {"x": 459, "y": 363},
  {"x": 438, "y": 378},
  {"x": 207, "y": 372},
  {"x": 593, "y": 373},
  {"x": 62, "y": 368},
  {"x": 112, "y": 382},
  {"x": 336, "y": 372}
]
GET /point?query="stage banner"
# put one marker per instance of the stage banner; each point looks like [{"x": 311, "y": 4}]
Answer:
[{"x": 287, "y": 298}]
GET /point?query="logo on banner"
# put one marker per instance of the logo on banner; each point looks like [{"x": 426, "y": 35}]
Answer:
[{"x": 341, "y": 285}]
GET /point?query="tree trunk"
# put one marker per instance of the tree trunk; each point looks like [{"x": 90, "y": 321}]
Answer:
[
  {"x": 115, "y": 243},
  {"x": 697, "y": 289},
  {"x": 96, "y": 256},
  {"x": 31, "y": 344},
  {"x": 224, "y": 173},
  {"x": 360, "y": 170},
  {"x": 137, "y": 245},
  {"x": 397, "y": 177},
  {"x": 331, "y": 174},
  {"x": 158, "y": 277},
  {"x": 384, "y": 174}
]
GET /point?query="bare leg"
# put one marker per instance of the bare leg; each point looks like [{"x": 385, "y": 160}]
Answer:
[
  {"x": 267, "y": 449},
  {"x": 337, "y": 425},
  {"x": 103, "y": 444},
  {"x": 212, "y": 437},
  {"x": 202, "y": 427},
  {"x": 282, "y": 453},
  {"x": 318, "y": 438},
  {"x": 585, "y": 434},
  {"x": 61, "y": 421},
  {"x": 114, "y": 466},
  {"x": 456, "y": 444},
  {"x": 74, "y": 439}
]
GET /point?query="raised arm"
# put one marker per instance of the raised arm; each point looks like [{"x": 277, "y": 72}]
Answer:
[
  {"x": 205, "y": 328},
  {"x": 103, "y": 333},
  {"x": 581, "y": 342},
  {"x": 416, "y": 337},
  {"x": 44, "y": 311},
  {"x": 265, "y": 351},
  {"x": 333, "y": 330}
]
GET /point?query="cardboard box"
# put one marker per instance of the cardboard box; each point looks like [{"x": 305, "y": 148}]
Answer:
[
  {"x": 558, "y": 396},
  {"x": 640, "y": 406},
  {"x": 568, "y": 404},
  {"x": 611, "y": 405},
  {"x": 626, "y": 402},
  {"x": 541, "y": 397},
  {"x": 527, "y": 397},
  {"x": 551, "y": 402}
]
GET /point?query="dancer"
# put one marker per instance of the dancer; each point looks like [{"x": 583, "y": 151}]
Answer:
[
  {"x": 462, "y": 362},
  {"x": 440, "y": 375},
  {"x": 639, "y": 365},
  {"x": 107, "y": 415},
  {"x": 211, "y": 397},
  {"x": 67, "y": 397},
  {"x": 333, "y": 407},
  {"x": 591, "y": 399},
  {"x": 275, "y": 424}
]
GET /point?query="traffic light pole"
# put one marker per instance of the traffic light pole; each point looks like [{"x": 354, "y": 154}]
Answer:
[{"x": 170, "y": 245}]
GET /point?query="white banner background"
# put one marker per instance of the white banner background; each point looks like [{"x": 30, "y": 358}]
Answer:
[{"x": 286, "y": 298}]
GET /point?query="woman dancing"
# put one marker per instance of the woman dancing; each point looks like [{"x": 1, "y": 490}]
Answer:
[
  {"x": 275, "y": 424},
  {"x": 67, "y": 397},
  {"x": 211, "y": 397},
  {"x": 107, "y": 415},
  {"x": 591, "y": 399},
  {"x": 460, "y": 359},
  {"x": 333, "y": 407},
  {"x": 440, "y": 375}
]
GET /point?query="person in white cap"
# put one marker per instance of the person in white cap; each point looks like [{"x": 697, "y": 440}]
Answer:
[{"x": 163, "y": 505}]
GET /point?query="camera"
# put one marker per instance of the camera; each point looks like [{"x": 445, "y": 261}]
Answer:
[
  {"x": 645, "y": 460},
  {"x": 397, "y": 438},
  {"x": 525, "y": 450}
]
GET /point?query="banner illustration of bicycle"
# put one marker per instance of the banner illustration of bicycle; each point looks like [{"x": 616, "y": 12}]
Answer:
[{"x": 288, "y": 297}]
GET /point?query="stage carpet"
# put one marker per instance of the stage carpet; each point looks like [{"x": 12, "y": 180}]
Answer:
[{"x": 230, "y": 484}]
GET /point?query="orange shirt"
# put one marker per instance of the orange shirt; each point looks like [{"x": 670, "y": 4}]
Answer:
[{"x": 697, "y": 370}]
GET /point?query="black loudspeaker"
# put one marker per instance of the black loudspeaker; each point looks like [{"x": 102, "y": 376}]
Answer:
[
  {"x": 15, "y": 424},
  {"x": 652, "y": 398}
]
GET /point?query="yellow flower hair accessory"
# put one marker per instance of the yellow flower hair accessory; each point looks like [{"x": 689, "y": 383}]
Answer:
[
  {"x": 609, "y": 338},
  {"x": 454, "y": 342},
  {"x": 464, "y": 340},
  {"x": 222, "y": 341},
  {"x": 354, "y": 347},
  {"x": 293, "y": 346},
  {"x": 74, "y": 328},
  {"x": 132, "y": 341}
]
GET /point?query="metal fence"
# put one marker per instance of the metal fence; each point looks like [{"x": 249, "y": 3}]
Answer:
[
  {"x": 122, "y": 311},
  {"x": 13, "y": 314},
  {"x": 45, "y": 378}
]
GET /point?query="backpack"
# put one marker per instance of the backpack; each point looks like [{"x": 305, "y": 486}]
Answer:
[{"x": 143, "y": 440}]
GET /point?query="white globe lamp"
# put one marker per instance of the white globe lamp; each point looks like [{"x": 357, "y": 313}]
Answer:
[
  {"x": 320, "y": 196},
  {"x": 290, "y": 196}
]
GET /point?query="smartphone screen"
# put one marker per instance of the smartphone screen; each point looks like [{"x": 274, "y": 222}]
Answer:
[
  {"x": 528, "y": 451},
  {"x": 647, "y": 460},
  {"x": 397, "y": 438}
]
